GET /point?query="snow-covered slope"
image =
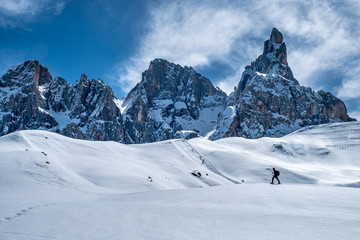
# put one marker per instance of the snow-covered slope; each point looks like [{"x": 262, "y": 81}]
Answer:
[
  {"x": 319, "y": 154},
  {"x": 55, "y": 187},
  {"x": 100, "y": 166}
]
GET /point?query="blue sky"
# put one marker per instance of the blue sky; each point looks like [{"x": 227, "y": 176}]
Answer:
[{"x": 115, "y": 40}]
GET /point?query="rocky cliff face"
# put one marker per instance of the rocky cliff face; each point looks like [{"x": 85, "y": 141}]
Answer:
[
  {"x": 31, "y": 99},
  {"x": 170, "y": 101},
  {"x": 270, "y": 102},
  {"x": 21, "y": 98}
]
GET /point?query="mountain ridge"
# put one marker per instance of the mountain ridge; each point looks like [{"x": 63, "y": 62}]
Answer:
[{"x": 169, "y": 102}]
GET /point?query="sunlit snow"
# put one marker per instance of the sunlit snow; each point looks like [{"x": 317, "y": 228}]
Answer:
[{"x": 54, "y": 187}]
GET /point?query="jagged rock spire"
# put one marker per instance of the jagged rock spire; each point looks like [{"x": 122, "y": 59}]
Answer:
[
  {"x": 276, "y": 36},
  {"x": 269, "y": 101},
  {"x": 273, "y": 60},
  {"x": 275, "y": 49}
]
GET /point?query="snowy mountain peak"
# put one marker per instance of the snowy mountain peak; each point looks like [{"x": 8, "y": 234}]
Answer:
[
  {"x": 272, "y": 62},
  {"x": 170, "y": 101},
  {"x": 167, "y": 75},
  {"x": 158, "y": 62},
  {"x": 269, "y": 101},
  {"x": 84, "y": 79},
  {"x": 31, "y": 99},
  {"x": 29, "y": 72}
]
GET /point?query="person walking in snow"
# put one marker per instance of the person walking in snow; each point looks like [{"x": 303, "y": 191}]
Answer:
[{"x": 276, "y": 173}]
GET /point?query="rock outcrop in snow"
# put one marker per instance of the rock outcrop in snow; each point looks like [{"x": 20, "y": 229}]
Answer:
[{"x": 170, "y": 101}]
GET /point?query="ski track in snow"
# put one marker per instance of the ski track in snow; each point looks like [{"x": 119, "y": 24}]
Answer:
[
  {"x": 24, "y": 236},
  {"x": 193, "y": 154}
]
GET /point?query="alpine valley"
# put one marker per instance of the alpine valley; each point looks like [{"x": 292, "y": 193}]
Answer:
[{"x": 169, "y": 102}]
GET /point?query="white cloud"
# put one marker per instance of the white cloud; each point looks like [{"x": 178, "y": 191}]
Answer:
[
  {"x": 321, "y": 36},
  {"x": 350, "y": 87},
  {"x": 16, "y": 7},
  {"x": 330, "y": 39},
  {"x": 228, "y": 83},
  {"x": 14, "y": 13},
  {"x": 355, "y": 114},
  {"x": 188, "y": 34}
]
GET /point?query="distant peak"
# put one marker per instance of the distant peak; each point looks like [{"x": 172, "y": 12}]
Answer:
[
  {"x": 157, "y": 64},
  {"x": 159, "y": 60},
  {"x": 30, "y": 71},
  {"x": 84, "y": 78},
  {"x": 28, "y": 63},
  {"x": 276, "y": 36}
]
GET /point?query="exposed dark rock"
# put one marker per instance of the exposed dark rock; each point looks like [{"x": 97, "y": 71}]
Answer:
[
  {"x": 22, "y": 102},
  {"x": 334, "y": 108},
  {"x": 276, "y": 36},
  {"x": 31, "y": 99},
  {"x": 169, "y": 99},
  {"x": 270, "y": 102},
  {"x": 169, "y": 102},
  {"x": 72, "y": 130}
]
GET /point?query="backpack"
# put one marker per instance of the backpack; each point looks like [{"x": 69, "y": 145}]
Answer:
[{"x": 276, "y": 173}]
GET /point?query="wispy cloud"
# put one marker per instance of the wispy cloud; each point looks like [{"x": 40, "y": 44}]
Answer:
[
  {"x": 186, "y": 33},
  {"x": 350, "y": 87},
  {"x": 355, "y": 114},
  {"x": 321, "y": 36},
  {"x": 15, "y": 13}
]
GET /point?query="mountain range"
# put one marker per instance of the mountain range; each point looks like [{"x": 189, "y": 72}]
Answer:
[{"x": 169, "y": 102}]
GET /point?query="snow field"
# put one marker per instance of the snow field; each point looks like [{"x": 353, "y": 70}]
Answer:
[
  {"x": 102, "y": 190},
  {"x": 246, "y": 211}
]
